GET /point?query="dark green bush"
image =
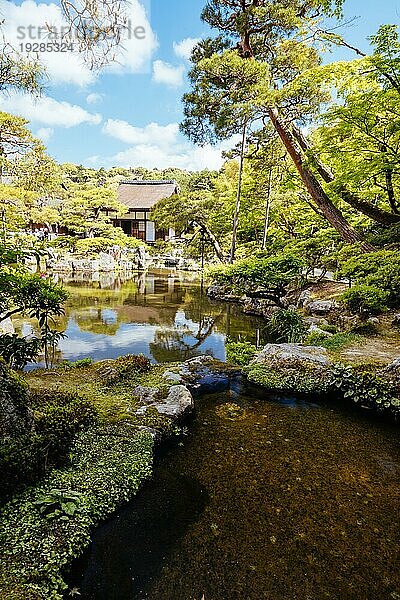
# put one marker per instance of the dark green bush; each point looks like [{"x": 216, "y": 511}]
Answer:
[
  {"x": 58, "y": 417},
  {"x": 18, "y": 351},
  {"x": 379, "y": 269},
  {"x": 268, "y": 278},
  {"x": 14, "y": 412},
  {"x": 366, "y": 299}
]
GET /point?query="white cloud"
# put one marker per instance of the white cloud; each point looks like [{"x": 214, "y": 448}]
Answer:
[
  {"x": 138, "y": 43},
  {"x": 168, "y": 74},
  {"x": 28, "y": 22},
  {"x": 153, "y": 133},
  {"x": 94, "y": 98},
  {"x": 44, "y": 133},
  {"x": 47, "y": 111},
  {"x": 159, "y": 146},
  {"x": 184, "y": 48}
]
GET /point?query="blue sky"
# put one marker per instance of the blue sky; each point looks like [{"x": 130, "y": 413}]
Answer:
[{"x": 130, "y": 116}]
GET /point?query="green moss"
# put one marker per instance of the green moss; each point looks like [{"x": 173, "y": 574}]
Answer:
[{"x": 287, "y": 378}]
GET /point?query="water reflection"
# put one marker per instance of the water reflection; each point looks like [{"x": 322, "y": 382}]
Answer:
[{"x": 164, "y": 315}]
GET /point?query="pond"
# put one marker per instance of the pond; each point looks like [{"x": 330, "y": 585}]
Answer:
[
  {"x": 164, "y": 315},
  {"x": 283, "y": 499}
]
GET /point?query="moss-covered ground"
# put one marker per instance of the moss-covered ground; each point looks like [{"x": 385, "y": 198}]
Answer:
[{"x": 44, "y": 526}]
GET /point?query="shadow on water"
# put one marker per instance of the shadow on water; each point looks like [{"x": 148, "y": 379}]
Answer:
[{"x": 284, "y": 499}]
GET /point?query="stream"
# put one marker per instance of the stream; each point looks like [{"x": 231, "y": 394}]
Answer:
[{"x": 281, "y": 499}]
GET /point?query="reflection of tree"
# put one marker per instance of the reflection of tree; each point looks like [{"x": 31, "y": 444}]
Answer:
[{"x": 181, "y": 344}]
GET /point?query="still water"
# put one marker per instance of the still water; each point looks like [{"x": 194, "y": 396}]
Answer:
[
  {"x": 289, "y": 500},
  {"x": 164, "y": 315}
]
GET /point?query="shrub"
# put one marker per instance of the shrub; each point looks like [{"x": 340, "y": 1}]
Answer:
[
  {"x": 366, "y": 299},
  {"x": 379, "y": 269},
  {"x": 365, "y": 389},
  {"x": 107, "y": 466},
  {"x": 18, "y": 351},
  {"x": 14, "y": 411},
  {"x": 58, "y": 417},
  {"x": 287, "y": 326},
  {"x": 268, "y": 278},
  {"x": 90, "y": 246},
  {"x": 124, "y": 367},
  {"x": 240, "y": 353}
]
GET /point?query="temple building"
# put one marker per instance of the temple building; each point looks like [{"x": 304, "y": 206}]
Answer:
[{"x": 139, "y": 198}]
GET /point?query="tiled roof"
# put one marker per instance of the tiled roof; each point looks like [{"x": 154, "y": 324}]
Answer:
[{"x": 145, "y": 194}]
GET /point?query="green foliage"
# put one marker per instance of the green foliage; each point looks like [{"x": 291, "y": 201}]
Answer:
[
  {"x": 240, "y": 352},
  {"x": 291, "y": 377},
  {"x": 78, "y": 364},
  {"x": 17, "y": 351},
  {"x": 364, "y": 388},
  {"x": 107, "y": 467},
  {"x": 380, "y": 269},
  {"x": 365, "y": 299},
  {"x": 91, "y": 246},
  {"x": 287, "y": 326},
  {"x": 334, "y": 343},
  {"x": 60, "y": 504},
  {"x": 35, "y": 295},
  {"x": 57, "y": 418},
  {"x": 14, "y": 417},
  {"x": 260, "y": 277}
]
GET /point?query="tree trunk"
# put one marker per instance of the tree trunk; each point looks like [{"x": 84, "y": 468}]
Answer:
[
  {"x": 373, "y": 212},
  {"x": 313, "y": 186},
  {"x": 267, "y": 210},
  {"x": 379, "y": 215},
  {"x": 213, "y": 240},
  {"x": 238, "y": 196}
]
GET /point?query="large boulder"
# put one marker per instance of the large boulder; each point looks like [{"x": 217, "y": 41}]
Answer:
[
  {"x": 291, "y": 367},
  {"x": 177, "y": 405},
  {"x": 321, "y": 307},
  {"x": 219, "y": 292}
]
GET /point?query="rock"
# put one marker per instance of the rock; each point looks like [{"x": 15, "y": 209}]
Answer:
[
  {"x": 394, "y": 367},
  {"x": 282, "y": 353},
  {"x": 291, "y": 367},
  {"x": 257, "y": 306},
  {"x": 177, "y": 405},
  {"x": 144, "y": 394},
  {"x": 172, "y": 377},
  {"x": 316, "y": 329},
  {"x": 316, "y": 321},
  {"x": 7, "y": 327},
  {"x": 373, "y": 321},
  {"x": 321, "y": 307},
  {"x": 219, "y": 292},
  {"x": 396, "y": 320},
  {"x": 106, "y": 262},
  {"x": 304, "y": 299}
]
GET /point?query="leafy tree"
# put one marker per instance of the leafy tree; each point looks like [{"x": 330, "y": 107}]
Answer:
[
  {"x": 87, "y": 211},
  {"x": 269, "y": 278},
  {"x": 227, "y": 87}
]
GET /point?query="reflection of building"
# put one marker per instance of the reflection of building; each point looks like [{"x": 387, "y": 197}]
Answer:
[{"x": 140, "y": 197}]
